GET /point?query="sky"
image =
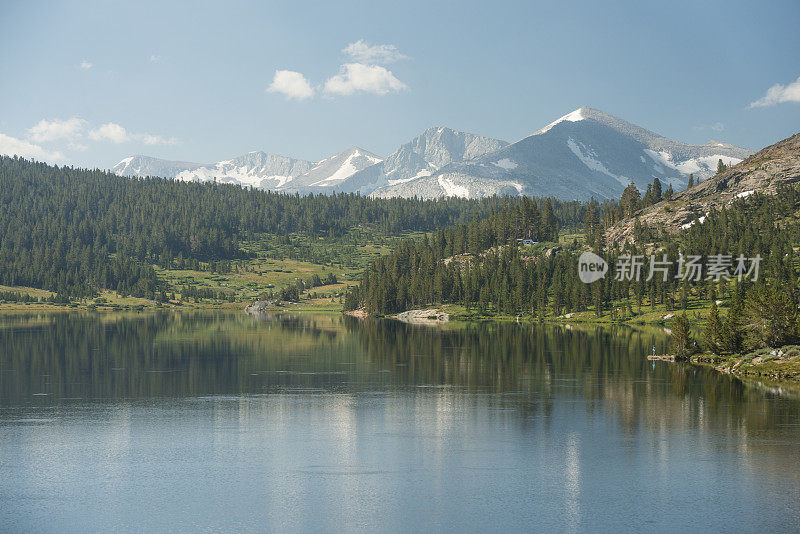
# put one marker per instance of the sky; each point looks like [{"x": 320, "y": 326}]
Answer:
[{"x": 89, "y": 83}]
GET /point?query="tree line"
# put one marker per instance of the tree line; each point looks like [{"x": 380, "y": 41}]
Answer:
[
  {"x": 481, "y": 266},
  {"x": 77, "y": 231}
]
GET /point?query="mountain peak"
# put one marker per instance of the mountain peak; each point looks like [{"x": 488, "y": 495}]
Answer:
[
  {"x": 432, "y": 149},
  {"x": 358, "y": 150},
  {"x": 585, "y": 153},
  {"x": 588, "y": 113},
  {"x": 573, "y": 116},
  {"x": 438, "y": 129},
  {"x": 333, "y": 170}
]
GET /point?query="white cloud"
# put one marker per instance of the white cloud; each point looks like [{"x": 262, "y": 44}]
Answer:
[
  {"x": 11, "y": 146},
  {"x": 291, "y": 84},
  {"x": 117, "y": 134},
  {"x": 778, "y": 94},
  {"x": 363, "y": 52},
  {"x": 46, "y": 131},
  {"x": 85, "y": 65},
  {"x": 149, "y": 139},
  {"x": 110, "y": 132},
  {"x": 364, "y": 75},
  {"x": 357, "y": 77},
  {"x": 155, "y": 59}
]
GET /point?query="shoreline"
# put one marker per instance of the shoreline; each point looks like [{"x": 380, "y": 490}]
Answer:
[{"x": 780, "y": 365}]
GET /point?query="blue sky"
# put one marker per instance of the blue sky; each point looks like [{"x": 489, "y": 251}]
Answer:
[{"x": 88, "y": 83}]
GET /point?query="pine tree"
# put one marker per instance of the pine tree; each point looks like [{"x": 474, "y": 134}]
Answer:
[
  {"x": 657, "y": 195},
  {"x": 691, "y": 181},
  {"x": 731, "y": 330},
  {"x": 682, "y": 341},
  {"x": 713, "y": 332},
  {"x": 648, "y": 198},
  {"x": 630, "y": 200},
  {"x": 770, "y": 317},
  {"x": 549, "y": 222}
]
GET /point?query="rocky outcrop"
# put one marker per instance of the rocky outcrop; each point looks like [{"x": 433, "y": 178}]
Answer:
[
  {"x": 259, "y": 306},
  {"x": 360, "y": 313},
  {"x": 763, "y": 172},
  {"x": 429, "y": 316},
  {"x": 781, "y": 364}
]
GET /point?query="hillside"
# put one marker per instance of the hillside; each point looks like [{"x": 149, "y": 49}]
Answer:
[
  {"x": 762, "y": 172},
  {"x": 82, "y": 233}
]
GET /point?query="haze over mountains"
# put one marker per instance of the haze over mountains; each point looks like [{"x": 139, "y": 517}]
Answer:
[{"x": 586, "y": 153}]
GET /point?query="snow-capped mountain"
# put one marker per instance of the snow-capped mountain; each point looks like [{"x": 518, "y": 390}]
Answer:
[
  {"x": 586, "y": 153},
  {"x": 140, "y": 166},
  {"x": 332, "y": 171},
  {"x": 420, "y": 157},
  {"x": 256, "y": 169}
]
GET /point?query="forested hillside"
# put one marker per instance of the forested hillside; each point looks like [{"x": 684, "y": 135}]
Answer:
[
  {"x": 76, "y": 231},
  {"x": 481, "y": 266}
]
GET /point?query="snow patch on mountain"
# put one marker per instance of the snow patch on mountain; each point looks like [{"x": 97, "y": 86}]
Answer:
[
  {"x": 123, "y": 165},
  {"x": 350, "y": 166},
  {"x": 705, "y": 166},
  {"x": 688, "y": 225},
  {"x": 420, "y": 174},
  {"x": 348, "y": 169},
  {"x": 702, "y": 166},
  {"x": 332, "y": 171},
  {"x": 506, "y": 164},
  {"x": 589, "y": 158},
  {"x": 451, "y": 189}
]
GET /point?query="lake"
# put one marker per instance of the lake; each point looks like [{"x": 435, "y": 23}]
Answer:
[{"x": 179, "y": 422}]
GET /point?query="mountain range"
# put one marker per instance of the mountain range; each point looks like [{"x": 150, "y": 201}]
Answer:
[
  {"x": 586, "y": 153},
  {"x": 423, "y": 156},
  {"x": 256, "y": 169}
]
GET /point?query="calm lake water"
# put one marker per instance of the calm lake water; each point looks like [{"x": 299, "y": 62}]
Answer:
[{"x": 224, "y": 422}]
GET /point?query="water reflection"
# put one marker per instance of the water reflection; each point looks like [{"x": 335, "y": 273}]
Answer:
[
  {"x": 59, "y": 358},
  {"x": 324, "y": 418}
]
